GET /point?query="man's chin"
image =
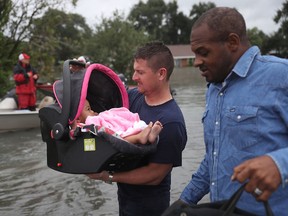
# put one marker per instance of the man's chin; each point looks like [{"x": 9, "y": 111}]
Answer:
[
  {"x": 206, "y": 78},
  {"x": 140, "y": 90}
]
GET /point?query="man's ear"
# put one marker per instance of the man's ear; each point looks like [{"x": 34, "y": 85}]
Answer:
[
  {"x": 162, "y": 73},
  {"x": 233, "y": 41}
]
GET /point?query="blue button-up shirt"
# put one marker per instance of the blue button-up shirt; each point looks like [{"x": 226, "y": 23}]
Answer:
[{"x": 246, "y": 116}]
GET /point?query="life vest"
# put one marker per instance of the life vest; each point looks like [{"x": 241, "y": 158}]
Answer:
[{"x": 24, "y": 83}]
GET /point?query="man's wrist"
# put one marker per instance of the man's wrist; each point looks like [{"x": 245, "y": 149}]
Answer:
[{"x": 110, "y": 178}]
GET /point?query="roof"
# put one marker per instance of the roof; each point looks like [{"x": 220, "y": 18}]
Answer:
[{"x": 181, "y": 51}]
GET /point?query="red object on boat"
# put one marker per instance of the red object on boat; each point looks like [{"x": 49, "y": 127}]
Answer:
[{"x": 47, "y": 89}]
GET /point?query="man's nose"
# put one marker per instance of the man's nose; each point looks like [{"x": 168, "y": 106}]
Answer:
[
  {"x": 134, "y": 77},
  {"x": 197, "y": 62}
]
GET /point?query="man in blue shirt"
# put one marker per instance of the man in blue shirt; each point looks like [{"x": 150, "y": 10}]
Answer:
[{"x": 245, "y": 119}]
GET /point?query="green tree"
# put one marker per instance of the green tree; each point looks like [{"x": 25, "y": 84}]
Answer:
[
  {"x": 16, "y": 29},
  {"x": 114, "y": 43},
  {"x": 163, "y": 21},
  {"x": 177, "y": 26},
  {"x": 150, "y": 17},
  {"x": 256, "y": 37},
  {"x": 198, "y": 10},
  {"x": 16, "y": 19},
  {"x": 55, "y": 37},
  {"x": 279, "y": 40},
  {"x": 5, "y": 9}
]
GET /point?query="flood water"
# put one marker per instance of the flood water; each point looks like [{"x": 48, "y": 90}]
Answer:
[{"x": 29, "y": 187}]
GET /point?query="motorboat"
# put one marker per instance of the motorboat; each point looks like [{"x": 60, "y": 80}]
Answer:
[{"x": 13, "y": 119}]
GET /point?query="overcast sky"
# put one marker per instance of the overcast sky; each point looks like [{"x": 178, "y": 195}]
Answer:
[{"x": 257, "y": 13}]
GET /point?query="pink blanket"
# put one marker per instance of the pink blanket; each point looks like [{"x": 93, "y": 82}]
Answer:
[{"x": 120, "y": 120}]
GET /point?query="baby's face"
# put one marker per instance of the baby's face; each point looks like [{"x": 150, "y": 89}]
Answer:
[{"x": 87, "y": 111}]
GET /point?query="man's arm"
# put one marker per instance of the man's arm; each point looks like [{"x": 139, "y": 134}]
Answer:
[
  {"x": 152, "y": 174},
  {"x": 198, "y": 186}
]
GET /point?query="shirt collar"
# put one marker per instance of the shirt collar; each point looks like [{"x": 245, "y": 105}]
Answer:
[
  {"x": 242, "y": 66},
  {"x": 244, "y": 63}
]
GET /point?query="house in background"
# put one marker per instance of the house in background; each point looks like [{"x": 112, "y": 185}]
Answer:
[{"x": 183, "y": 56}]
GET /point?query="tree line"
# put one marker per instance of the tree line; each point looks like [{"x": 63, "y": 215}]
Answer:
[{"x": 51, "y": 34}]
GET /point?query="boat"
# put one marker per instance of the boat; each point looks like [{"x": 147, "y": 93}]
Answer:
[{"x": 13, "y": 119}]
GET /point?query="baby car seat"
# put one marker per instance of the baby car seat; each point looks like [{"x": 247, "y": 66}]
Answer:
[{"x": 88, "y": 152}]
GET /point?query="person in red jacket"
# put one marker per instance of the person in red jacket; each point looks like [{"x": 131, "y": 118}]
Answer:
[{"x": 25, "y": 78}]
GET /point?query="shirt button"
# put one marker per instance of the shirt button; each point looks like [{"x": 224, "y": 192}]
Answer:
[
  {"x": 221, "y": 94},
  {"x": 213, "y": 183},
  {"x": 216, "y": 122},
  {"x": 214, "y": 153},
  {"x": 239, "y": 117}
]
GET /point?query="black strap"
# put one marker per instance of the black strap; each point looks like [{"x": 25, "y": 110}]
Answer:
[
  {"x": 268, "y": 209},
  {"x": 230, "y": 206}
]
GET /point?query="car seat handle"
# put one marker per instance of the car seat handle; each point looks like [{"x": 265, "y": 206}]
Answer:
[{"x": 59, "y": 128}]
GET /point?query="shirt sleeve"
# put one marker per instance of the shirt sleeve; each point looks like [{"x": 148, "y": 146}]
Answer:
[
  {"x": 281, "y": 160},
  {"x": 198, "y": 186},
  {"x": 280, "y": 155}
]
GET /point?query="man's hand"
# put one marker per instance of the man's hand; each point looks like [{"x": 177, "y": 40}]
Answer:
[
  {"x": 104, "y": 176},
  {"x": 262, "y": 175}
]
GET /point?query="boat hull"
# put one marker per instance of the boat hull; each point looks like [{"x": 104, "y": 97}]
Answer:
[{"x": 18, "y": 120}]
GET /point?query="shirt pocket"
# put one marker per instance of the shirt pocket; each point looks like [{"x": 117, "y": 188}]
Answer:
[{"x": 240, "y": 124}]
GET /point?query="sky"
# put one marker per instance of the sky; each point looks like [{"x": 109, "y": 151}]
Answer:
[{"x": 257, "y": 13}]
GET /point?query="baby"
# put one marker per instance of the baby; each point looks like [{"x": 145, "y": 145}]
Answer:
[{"x": 123, "y": 122}]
